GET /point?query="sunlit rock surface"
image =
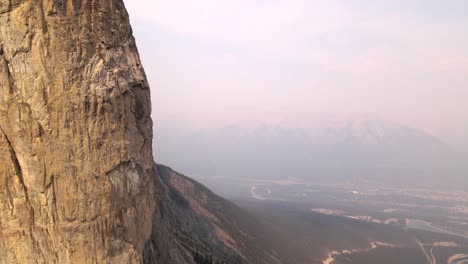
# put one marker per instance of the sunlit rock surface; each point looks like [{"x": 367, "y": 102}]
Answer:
[{"x": 76, "y": 180}]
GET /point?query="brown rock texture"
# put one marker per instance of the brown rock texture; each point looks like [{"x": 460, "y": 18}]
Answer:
[{"x": 76, "y": 176}]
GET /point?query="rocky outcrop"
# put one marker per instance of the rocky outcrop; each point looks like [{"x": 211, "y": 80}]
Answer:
[{"x": 76, "y": 180}]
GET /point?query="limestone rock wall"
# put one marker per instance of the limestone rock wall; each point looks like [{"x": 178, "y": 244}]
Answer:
[{"x": 75, "y": 134}]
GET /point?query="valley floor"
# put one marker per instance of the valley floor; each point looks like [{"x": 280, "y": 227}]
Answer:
[{"x": 336, "y": 224}]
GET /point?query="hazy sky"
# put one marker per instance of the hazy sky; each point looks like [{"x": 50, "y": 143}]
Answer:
[{"x": 404, "y": 60}]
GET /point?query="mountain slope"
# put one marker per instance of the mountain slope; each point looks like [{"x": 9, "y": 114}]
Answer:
[{"x": 203, "y": 225}]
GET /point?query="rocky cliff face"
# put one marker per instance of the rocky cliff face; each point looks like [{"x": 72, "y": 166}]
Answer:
[{"x": 76, "y": 180}]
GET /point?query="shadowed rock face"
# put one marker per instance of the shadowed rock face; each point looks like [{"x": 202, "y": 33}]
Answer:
[{"x": 76, "y": 179}]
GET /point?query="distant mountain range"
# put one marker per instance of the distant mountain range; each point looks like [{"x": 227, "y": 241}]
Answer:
[{"x": 361, "y": 149}]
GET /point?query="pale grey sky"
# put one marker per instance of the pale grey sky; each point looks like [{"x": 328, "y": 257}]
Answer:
[{"x": 403, "y": 60}]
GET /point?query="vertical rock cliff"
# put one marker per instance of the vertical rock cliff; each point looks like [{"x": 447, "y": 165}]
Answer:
[{"x": 76, "y": 179}]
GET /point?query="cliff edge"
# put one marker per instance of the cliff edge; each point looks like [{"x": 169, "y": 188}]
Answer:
[{"x": 76, "y": 180}]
